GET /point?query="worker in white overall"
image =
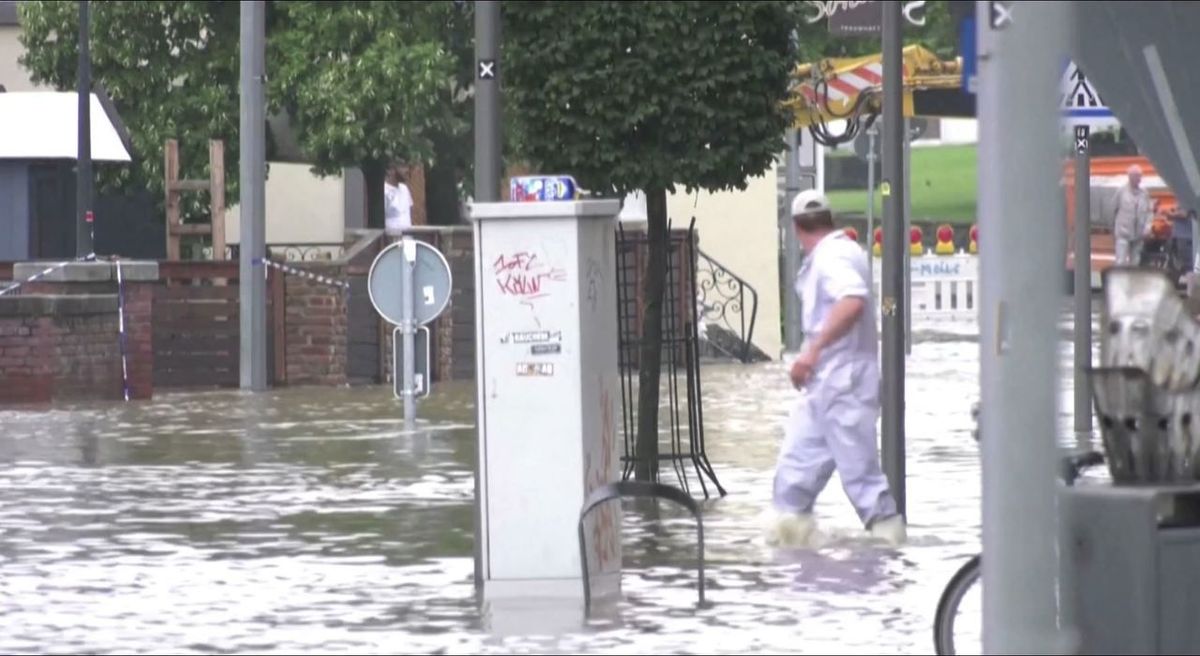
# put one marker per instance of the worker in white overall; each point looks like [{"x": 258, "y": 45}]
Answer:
[
  {"x": 832, "y": 424},
  {"x": 1131, "y": 219}
]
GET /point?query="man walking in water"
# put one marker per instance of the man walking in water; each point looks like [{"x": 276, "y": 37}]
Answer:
[
  {"x": 1131, "y": 219},
  {"x": 832, "y": 425}
]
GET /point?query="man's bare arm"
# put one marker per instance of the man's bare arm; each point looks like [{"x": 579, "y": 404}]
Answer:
[{"x": 842, "y": 317}]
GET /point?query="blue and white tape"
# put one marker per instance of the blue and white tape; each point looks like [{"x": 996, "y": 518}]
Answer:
[
  {"x": 121, "y": 331},
  {"x": 44, "y": 272},
  {"x": 303, "y": 274}
]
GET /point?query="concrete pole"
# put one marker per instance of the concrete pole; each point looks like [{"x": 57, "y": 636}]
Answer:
[
  {"x": 83, "y": 164},
  {"x": 895, "y": 243},
  {"x": 1083, "y": 288},
  {"x": 793, "y": 332},
  {"x": 907, "y": 229},
  {"x": 487, "y": 101},
  {"x": 253, "y": 168},
  {"x": 1019, "y": 170}
]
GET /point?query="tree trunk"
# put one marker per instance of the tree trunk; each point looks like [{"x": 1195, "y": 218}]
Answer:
[
  {"x": 441, "y": 194},
  {"x": 373, "y": 177},
  {"x": 650, "y": 361}
]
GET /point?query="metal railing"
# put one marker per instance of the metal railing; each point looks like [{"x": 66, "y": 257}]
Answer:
[
  {"x": 639, "y": 489},
  {"x": 723, "y": 296},
  {"x": 307, "y": 252}
]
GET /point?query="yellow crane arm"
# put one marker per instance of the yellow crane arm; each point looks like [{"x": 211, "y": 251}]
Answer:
[{"x": 827, "y": 90}]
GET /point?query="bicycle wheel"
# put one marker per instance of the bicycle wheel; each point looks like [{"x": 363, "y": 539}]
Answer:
[{"x": 957, "y": 626}]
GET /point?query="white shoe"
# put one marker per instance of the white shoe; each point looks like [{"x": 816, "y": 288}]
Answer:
[
  {"x": 792, "y": 530},
  {"x": 891, "y": 530}
]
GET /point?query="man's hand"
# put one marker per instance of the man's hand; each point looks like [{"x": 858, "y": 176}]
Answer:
[{"x": 802, "y": 368}]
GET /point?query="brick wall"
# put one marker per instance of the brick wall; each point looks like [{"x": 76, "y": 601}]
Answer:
[
  {"x": 139, "y": 300},
  {"x": 316, "y": 335},
  {"x": 55, "y": 348}
]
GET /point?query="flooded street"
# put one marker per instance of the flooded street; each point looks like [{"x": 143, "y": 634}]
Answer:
[{"x": 307, "y": 520}]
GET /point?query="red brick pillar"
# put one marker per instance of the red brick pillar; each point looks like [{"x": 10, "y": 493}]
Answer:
[
  {"x": 316, "y": 329},
  {"x": 139, "y": 345}
]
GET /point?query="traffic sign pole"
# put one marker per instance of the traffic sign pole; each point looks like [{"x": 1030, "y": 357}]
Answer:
[
  {"x": 1083, "y": 288},
  {"x": 407, "y": 329}
]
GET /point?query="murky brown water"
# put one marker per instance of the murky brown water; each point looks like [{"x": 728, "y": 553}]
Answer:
[{"x": 307, "y": 520}]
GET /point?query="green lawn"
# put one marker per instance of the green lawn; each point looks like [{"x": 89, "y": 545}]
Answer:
[{"x": 943, "y": 187}]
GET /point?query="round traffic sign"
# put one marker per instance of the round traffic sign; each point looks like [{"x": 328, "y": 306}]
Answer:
[{"x": 431, "y": 283}]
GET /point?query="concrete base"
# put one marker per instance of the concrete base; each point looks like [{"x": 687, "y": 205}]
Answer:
[
  {"x": 604, "y": 586},
  {"x": 133, "y": 270}
]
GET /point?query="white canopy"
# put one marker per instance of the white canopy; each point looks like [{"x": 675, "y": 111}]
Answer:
[{"x": 44, "y": 125}]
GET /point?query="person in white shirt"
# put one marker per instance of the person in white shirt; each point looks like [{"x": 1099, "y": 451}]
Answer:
[
  {"x": 1131, "y": 219},
  {"x": 832, "y": 424},
  {"x": 397, "y": 202}
]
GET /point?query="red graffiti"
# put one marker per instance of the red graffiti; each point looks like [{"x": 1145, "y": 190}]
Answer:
[
  {"x": 604, "y": 525},
  {"x": 523, "y": 275}
]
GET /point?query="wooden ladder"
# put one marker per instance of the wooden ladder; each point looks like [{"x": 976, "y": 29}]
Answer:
[{"x": 214, "y": 185}]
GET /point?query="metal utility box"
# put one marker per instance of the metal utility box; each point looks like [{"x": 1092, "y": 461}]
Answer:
[
  {"x": 547, "y": 384},
  {"x": 1131, "y": 568}
]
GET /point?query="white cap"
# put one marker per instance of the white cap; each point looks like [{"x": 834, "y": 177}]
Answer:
[{"x": 809, "y": 201}]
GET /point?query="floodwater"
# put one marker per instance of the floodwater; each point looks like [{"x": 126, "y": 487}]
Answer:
[{"x": 308, "y": 520}]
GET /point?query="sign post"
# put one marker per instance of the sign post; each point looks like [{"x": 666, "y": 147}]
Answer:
[
  {"x": 406, "y": 330},
  {"x": 409, "y": 285},
  {"x": 1083, "y": 288},
  {"x": 1082, "y": 111}
]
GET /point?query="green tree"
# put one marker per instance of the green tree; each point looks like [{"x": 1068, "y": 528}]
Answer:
[
  {"x": 171, "y": 68},
  {"x": 365, "y": 84},
  {"x": 649, "y": 95}
]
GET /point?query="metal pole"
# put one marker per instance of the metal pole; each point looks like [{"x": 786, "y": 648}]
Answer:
[
  {"x": 1019, "y": 170},
  {"x": 253, "y": 164},
  {"x": 83, "y": 164},
  {"x": 408, "y": 330},
  {"x": 907, "y": 229},
  {"x": 487, "y": 101},
  {"x": 487, "y": 163},
  {"x": 872, "y": 132},
  {"x": 793, "y": 334},
  {"x": 1083, "y": 288},
  {"x": 895, "y": 243}
]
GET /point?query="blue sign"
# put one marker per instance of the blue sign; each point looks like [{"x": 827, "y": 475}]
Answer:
[
  {"x": 966, "y": 40},
  {"x": 542, "y": 188}
]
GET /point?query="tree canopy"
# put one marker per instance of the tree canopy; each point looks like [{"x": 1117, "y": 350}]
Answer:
[
  {"x": 364, "y": 83},
  {"x": 647, "y": 95},
  {"x": 171, "y": 68}
]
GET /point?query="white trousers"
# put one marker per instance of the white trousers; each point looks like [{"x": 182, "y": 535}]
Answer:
[
  {"x": 1127, "y": 252},
  {"x": 832, "y": 427}
]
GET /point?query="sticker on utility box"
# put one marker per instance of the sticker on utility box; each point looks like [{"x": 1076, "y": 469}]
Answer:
[
  {"x": 532, "y": 337},
  {"x": 545, "y": 349},
  {"x": 535, "y": 369}
]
